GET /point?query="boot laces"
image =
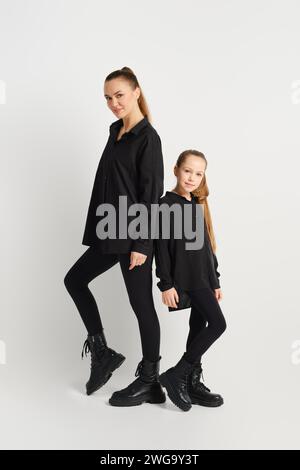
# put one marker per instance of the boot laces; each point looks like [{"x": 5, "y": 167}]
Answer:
[
  {"x": 200, "y": 384},
  {"x": 86, "y": 348}
]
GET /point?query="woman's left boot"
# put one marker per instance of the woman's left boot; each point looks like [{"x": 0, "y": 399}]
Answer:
[
  {"x": 145, "y": 389},
  {"x": 198, "y": 392}
]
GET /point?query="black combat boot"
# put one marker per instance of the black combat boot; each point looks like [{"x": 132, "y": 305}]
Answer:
[
  {"x": 145, "y": 389},
  {"x": 199, "y": 393},
  {"x": 175, "y": 381},
  {"x": 104, "y": 361}
]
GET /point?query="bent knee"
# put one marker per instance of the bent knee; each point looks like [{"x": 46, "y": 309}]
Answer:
[
  {"x": 70, "y": 281},
  {"x": 67, "y": 280},
  {"x": 222, "y": 326}
]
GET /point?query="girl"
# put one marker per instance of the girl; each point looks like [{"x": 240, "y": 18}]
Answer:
[
  {"x": 190, "y": 278},
  {"x": 131, "y": 165}
]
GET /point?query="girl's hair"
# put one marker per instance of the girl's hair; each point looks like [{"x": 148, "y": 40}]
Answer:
[
  {"x": 201, "y": 193},
  {"x": 127, "y": 74}
]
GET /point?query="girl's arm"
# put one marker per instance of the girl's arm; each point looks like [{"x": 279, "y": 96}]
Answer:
[
  {"x": 163, "y": 265},
  {"x": 216, "y": 271}
]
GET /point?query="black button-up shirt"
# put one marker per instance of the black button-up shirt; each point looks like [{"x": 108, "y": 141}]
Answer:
[
  {"x": 181, "y": 268},
  {"x": 131, "y": 166}
]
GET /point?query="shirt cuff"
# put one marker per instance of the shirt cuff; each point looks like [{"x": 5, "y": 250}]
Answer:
[
  {"x": 142, "y": 246},
  {"x": 165, "y": 285}
]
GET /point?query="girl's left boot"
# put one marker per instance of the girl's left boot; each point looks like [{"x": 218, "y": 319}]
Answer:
[{"x": 198, "y": 392}]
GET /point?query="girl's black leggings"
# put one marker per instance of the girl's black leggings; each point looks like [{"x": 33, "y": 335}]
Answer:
[
  {"x": 138, "y": 283},
  {"x": 206, "y": 322}
]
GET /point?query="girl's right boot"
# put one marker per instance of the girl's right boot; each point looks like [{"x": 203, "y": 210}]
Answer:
[{"x": 175, "y": 381}]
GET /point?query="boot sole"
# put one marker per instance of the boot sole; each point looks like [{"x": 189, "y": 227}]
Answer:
[
  {"x": 172, "y": 394},
  {"x": 107, "y": 377},
  {"x": 195, "y": 401},
  {"x": 138, "y": 401}
]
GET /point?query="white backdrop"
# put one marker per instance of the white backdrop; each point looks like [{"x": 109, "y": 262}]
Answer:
[{"x": 221, "y": 77}]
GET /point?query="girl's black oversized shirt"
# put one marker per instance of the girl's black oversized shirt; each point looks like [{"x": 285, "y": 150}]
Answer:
[
  {"x": 181, "y": 268},
  {"x": 131, "y": 166}
]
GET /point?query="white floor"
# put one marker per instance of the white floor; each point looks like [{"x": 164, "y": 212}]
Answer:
[{"x": 51, "y": 411}]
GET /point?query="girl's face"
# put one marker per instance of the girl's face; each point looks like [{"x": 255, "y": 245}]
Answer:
[
  {"x": 121, "y": 98},
  {"x": 190, "y": 173}
]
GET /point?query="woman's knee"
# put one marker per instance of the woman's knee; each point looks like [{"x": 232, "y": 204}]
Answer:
[
  {"x": 222, "y": 325},
  {"x": 68, "y": 280},
  {"x": 71, "y": 281}
]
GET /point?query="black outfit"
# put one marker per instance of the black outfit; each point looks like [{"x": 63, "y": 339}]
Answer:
[
  {"x": 177, "y": 266},
  {"x": 207, "y": 323},
  {"x": 194, "y": 275},
  {"x": 132, "y": 166}
]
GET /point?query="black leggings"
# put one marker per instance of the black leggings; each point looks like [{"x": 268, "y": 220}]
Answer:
[
  {"x": 205, "y": 310},
  {"x": 138, "y": 283}
]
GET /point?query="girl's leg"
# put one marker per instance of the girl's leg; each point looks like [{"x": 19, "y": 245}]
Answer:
[
  {"x": 204, "y": 301},
  {"x": 87, "y": 267},
  {"x": 138, "y": 283},
  {"x": 181, "y": 391},
  {"x": 197, "y": 323}
]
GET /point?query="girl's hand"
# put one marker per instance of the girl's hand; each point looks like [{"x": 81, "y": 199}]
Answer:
[
  {"x": 218, "y": 294},
  {"x": 170, "y": 297},
  {"x": 136, "y": 259}
]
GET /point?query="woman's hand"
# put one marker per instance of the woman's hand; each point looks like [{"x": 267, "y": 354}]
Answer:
[
  {"x": 218, "y": 294},
  {"x": 136, "y": 259},
  {"x": 170, "y": 297}
]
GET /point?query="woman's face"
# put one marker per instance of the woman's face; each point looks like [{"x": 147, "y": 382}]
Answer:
[
  {"x": 121, "y": 98},
  {"x": 190, "y": 173}
]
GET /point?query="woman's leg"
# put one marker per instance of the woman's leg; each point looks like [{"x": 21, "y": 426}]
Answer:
[
  {"x": 87, "y": 267},
  {"x": 204, "y": 301},
  {"x": 146, "y": 387},
  {"x": 138, "y": 283}
]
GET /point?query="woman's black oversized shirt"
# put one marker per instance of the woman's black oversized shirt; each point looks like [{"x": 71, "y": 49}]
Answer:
[{"x": 131, "y": 166}]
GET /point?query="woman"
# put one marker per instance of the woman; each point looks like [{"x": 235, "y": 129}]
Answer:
[
  {"x": 132, "y": 166},
  {"x": 189, "y": 278}
]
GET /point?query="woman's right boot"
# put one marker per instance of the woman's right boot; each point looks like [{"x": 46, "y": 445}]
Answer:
[
  {"x": 175, "y": 381},
  {"x": 104, "y": 361}
]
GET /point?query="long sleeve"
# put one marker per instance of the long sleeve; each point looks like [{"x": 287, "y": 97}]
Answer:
[
  {"x": 163, "y": 265},
  {"x": 213, "y": 263},
  {"x": 163, "y": 261},
  {"x": 150, "y": 185},
  {"x": 216, "y": 270}
]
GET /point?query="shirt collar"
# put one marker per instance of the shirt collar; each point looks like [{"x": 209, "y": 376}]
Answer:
[
  {"x": 176, "y": 196},
  {"x": 134, "y": 130}
]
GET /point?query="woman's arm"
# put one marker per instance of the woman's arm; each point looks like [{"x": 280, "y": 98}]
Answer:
[{"x": 150, "y": 185}]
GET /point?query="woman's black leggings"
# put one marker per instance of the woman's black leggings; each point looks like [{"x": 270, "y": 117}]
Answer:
[
  {"x": 207, "y": 323},
  {"x": 138, "y": 283}
]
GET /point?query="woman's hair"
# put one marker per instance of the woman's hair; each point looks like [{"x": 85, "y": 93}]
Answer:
[
  {"x": 127, "y": 74},
  {"x": 201, "y": 193}
]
